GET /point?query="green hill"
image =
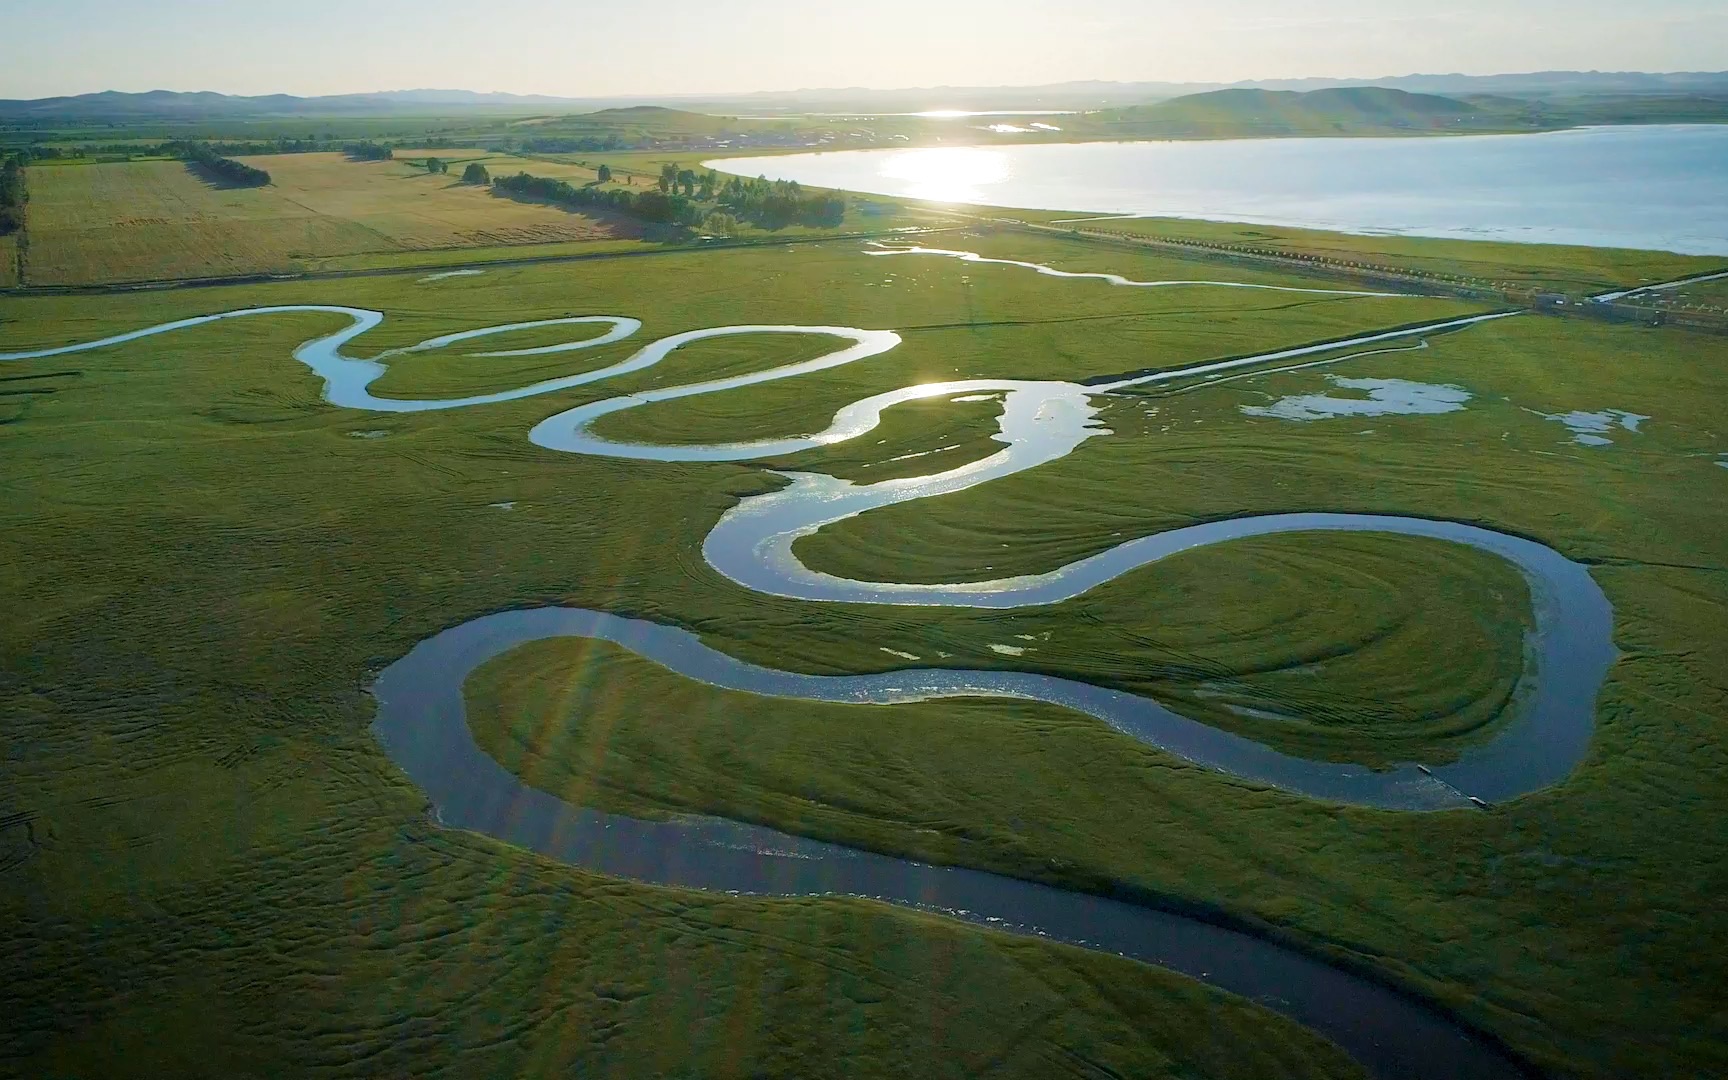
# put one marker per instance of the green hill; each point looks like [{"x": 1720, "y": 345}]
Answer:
[
  {"x": 657, "y": 119},
  {"x": 1338, "y": 111}
]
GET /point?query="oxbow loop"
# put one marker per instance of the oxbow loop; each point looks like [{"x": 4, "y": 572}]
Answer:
[{"x": 621, "y": 328}]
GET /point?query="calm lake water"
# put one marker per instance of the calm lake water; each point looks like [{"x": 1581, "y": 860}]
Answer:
[{"x": 1662, "y": 188}]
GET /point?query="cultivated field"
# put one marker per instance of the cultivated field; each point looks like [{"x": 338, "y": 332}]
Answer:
[
  {"x": 152, "y": 220},
  {"x": 211, "y": 867}
]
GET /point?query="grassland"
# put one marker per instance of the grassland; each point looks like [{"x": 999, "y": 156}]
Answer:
[
  {"x": 8, "y": 261},
  {"x": 150, "y": 220},
  {"x": 208, "y": 565},
  {"x": 1706, "y": 294},
  {"x": 1571, "y": 269},
  {"x": 139, "y": 221}
]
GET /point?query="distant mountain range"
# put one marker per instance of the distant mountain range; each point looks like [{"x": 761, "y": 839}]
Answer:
[
  {"x": 1358, "y": 104},
  {"x": 204, "y": 105},
  {"x": 1335, "y": 110},
  {"x": 1100, "y": 95}
]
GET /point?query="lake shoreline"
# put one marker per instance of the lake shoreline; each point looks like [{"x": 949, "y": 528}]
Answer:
[{"x": 1647, "y": 186}]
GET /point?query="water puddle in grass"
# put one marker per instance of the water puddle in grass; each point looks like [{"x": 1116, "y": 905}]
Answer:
[
  {"x": 422, "y": 726},
  {"x": 1384, "y": 397},
  {"x": 1593, "y": 429},
  {"x": 451, "y": 274}
]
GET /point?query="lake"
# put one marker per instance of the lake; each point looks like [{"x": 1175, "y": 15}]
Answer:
[{"x": 1658, "y": 187}]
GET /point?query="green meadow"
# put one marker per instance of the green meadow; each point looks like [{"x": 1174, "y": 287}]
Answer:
[
  {"x": 211, "y": 869},
  {"x": 1565, "y": 268}
]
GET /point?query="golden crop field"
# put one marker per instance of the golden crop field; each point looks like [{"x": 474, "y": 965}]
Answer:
[
  {"x": 499, "y": 164},
  {"x": 151, "y": 220}
]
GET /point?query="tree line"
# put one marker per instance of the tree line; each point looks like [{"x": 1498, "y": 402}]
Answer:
[
  {"x": 683, "y": 198},
  {"x": 368, "y": 151},
  {"x": 236, "y": 171},
  {"x": 79, "y": 152},
  {"x": 586, "y": 144},
  {"x": 12, "y": 194},
  {"x": 653, "y": 206}
]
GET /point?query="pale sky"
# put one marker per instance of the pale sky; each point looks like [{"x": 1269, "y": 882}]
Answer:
[{"x": 591, "y": 48}]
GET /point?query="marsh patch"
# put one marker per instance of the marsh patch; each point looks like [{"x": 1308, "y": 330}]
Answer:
[
  {"x": 1592, "y": 429},
  {"x": 1384, "y": 397}
]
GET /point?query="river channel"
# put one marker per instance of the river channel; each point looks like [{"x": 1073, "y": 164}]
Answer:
[{"x": 422, "y": 726}]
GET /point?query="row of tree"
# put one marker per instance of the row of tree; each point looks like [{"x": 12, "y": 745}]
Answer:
[
  {"x": 13, "y": 194},
  {"x": 584, "y": 145},
  {"x": 653, "y": 206},
  {"x": 368, "y": 151},
  {"x": 683, "y": 198},
  {"x": 237, "y": 172}
]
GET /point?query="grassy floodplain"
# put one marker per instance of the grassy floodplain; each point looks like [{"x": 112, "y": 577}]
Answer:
[
  {"x": 1549, "y": 266},
  {"x": 196, "y": 806}
]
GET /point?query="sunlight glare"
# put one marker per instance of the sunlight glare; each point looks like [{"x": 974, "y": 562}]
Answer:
[{"x": 954, "y": 174}]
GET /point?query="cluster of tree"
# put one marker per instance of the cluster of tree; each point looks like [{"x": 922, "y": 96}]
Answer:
[
  {"x": 476, "y": 173},
  {"x": 774, "y": 204},
  {"x": 227, "y": 168},
  {"x": 61, "y": 153},
  {"x": 654, "y": 206},
  {"x": 437, "y": 166},
  {"x": 676, "y": 178},
  {"x": 12, "y": 194},
  {"x": 368, "y": 151}
]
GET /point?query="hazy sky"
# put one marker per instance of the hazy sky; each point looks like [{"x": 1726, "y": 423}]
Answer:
[{"x": 620, "y": 47}]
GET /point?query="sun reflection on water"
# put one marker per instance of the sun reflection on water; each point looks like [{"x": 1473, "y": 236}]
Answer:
[{"x": 947, "y": 174}]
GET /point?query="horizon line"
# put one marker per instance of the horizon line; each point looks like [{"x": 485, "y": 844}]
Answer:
[{"x": 884, "y": 89}]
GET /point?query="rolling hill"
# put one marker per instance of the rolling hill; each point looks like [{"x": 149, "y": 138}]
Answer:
[{"x": 1333, "y": 111}]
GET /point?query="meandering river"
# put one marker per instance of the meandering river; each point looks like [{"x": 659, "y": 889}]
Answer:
[{"x": 422, "y": 725}]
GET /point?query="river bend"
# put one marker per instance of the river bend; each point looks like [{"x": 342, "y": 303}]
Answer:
[{"x": 422, "y": 725}]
